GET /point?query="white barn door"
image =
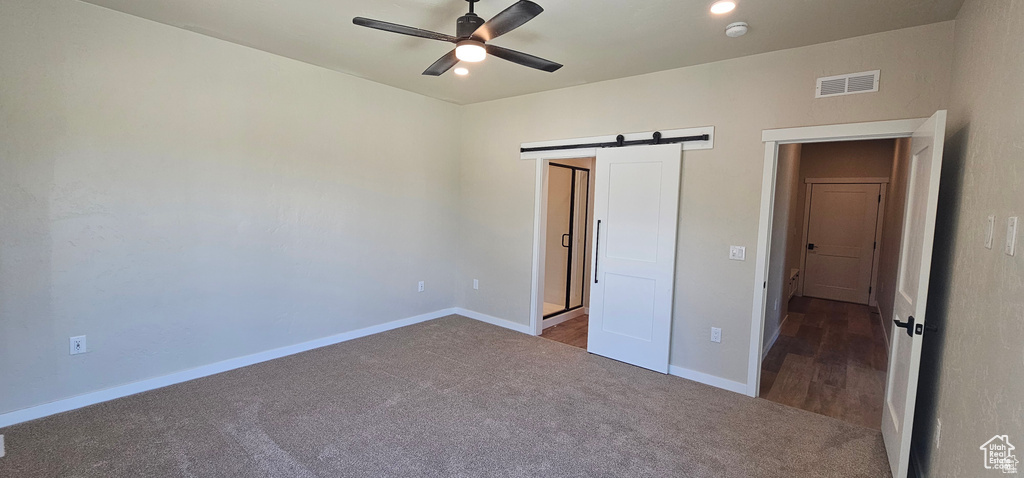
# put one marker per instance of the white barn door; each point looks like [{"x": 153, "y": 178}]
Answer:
[
  {"x": 912, "y": 291},
  {"x": 633, "y": 264}
]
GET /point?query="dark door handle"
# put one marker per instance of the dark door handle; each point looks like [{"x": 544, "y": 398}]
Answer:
[
  {"x": 597, "y": 249},
  {"x": 909, "y": 325},
  {"x": 810, "y": 247},
  {"x": 564, "y": 237}
]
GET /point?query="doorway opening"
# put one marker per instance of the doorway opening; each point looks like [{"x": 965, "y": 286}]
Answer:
[
  {"x": 568, "y": 217},
  {"x": 914, "y": 187},
  {"x": 831, "y": 256}
]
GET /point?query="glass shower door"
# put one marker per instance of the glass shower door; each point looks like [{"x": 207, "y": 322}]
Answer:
[{"x": 566, "y": 255}]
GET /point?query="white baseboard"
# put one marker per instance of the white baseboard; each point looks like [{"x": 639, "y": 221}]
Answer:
[
  {"x": 490, "y": 319},
  {"x": 767, "y": 348},
  {"x": 558, "y": 319},
  {"x": 708, "y": 379},
  {"x": 91, "y": 398},
  {"x": 885, "y": 330}
]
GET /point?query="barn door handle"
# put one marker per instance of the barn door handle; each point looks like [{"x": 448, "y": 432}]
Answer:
[
  {"x": 909, "y": 325},
  {"x": 597, "y": 249},
  {"x": 810, "y": 247},
  {"x": 564, "y": 237}
]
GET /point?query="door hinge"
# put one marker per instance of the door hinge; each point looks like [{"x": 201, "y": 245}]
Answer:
[
  {"x": 875, "y": 246},
  {"x": 869, "y": 290},
  {"x": 879, "y": 198},
  {"x": 765, "y": 285}
]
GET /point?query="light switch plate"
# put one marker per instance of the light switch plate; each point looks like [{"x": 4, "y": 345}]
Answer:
[
  {"x": 737, "y": 253},
  {"x": 1011, "y": 235},
  {"x": 989, "y": 231}
]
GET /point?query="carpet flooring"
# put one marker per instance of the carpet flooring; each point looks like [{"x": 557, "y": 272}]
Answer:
[{"x": 448, "y": 397}]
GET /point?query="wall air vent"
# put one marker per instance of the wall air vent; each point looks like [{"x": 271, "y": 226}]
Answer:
[{"x": 863, "y": 82}]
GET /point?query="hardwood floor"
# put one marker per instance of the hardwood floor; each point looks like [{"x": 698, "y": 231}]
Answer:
[
  {"x": 571, "y": 332},
  {"x": 830, "y": 358}
]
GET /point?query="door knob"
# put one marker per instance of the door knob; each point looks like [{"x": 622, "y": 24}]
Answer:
[{"x": 909, "y": 325}]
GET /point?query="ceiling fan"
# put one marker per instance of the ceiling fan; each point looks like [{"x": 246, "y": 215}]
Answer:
[{"x": 472, "y": 35}]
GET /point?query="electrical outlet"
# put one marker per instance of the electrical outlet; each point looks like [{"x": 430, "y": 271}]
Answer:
[
  {"x": 716, "y": 335},
  {"x": 938, "y": 431},
  {"x": 78, "y": 345},
  {"x": 737, "y": 253},
  {"x": 3, "y": 448},
  {"x": 1011, "y": 235},
  {"x": 776, "y": 304},
  {"x": 421, "y": 287},
  {"x": 476, "y": 284}
]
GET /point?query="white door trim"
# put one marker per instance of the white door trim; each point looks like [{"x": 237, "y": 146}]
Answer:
[
  {"x": 881, "y": 182},
  {"x": 843, "y": 132},
  {"x": 846, "y": 180},
  {"x": 772, "y": 138},
  {"x": 540, "y": 199}
]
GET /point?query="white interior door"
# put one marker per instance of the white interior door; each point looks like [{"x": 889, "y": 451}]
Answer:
[
  {"x": 635, "y": 212},
  {"x": 840, "y": 245},
  {"x": 912, "y": 291}
]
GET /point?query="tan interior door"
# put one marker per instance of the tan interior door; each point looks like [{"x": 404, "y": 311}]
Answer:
[{"x": 841, "y": 241}]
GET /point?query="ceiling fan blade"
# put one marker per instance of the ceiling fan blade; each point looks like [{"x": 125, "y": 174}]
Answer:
[
  {"x": 509, "y": 19},
  {"x": 396, "y": 28},
  {"x": 442, "y": 64},
  {"x": 521, "y": 58}
]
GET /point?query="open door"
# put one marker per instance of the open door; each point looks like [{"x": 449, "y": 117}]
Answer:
[
  {"x": 633, "y": 267},
  {"x": 912, "y": 291}
]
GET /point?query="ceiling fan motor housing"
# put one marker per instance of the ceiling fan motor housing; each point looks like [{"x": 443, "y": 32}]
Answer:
[{"x": 467, "y": 24}]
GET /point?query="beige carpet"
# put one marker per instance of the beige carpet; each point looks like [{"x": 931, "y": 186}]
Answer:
[{"x": 450, "y": 397}]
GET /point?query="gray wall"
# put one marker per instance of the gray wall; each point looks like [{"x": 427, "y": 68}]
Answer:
[
  {"x": 183, "y": 200},
  {"x": 892, "y": 233},
  {"x": 972, "y": 371},
  {"x": 785, "y": 219},
  {"x": 847, "y": 159},
  {"x": 721, "y": 188},
  {"x": 842, "y": 159}
]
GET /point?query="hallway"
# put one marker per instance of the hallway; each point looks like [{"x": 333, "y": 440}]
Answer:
[{"x": 830, "y": 358}]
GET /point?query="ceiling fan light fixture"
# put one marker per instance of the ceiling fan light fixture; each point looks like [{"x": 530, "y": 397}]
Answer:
[
  {"x": 470, "y": 51},
  {"x": 724, "y": 6}
]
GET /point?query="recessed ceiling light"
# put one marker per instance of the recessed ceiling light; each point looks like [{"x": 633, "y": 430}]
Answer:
[
  {"x": 725, "y": 6},
  {"x": 461, "y": 71}
]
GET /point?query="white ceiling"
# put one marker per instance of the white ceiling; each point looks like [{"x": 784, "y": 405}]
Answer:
[{"x": 595, "y": 39}]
